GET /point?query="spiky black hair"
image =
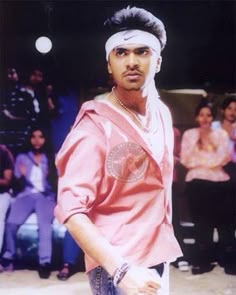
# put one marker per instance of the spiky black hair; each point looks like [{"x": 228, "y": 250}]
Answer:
[{"x": 134, "y": 18}]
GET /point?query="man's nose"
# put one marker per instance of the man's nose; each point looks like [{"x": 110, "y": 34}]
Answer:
[{"x": 132, "y": 60}]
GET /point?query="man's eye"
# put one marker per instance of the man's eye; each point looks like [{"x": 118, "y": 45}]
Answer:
[
  {"x": 143, "y": 51},
  {"x": 120, "y": 53}
]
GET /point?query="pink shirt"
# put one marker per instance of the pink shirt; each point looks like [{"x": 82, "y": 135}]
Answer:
[
  {"x": 201, "y": 164},
  {"x": 107, "y": 171}
]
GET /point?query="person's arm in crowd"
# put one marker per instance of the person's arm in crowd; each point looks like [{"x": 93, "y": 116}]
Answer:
[
  {"x": 189, "y": 156},
  {"x": 7, "y": 177},
  {"x": 192, "y": 155},
  {"x": 8, "y": 164}
]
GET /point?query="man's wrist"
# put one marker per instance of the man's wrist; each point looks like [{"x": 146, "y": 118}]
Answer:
[{"x": 120, "y": 272}]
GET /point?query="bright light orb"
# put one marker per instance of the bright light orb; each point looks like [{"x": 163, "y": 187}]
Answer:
[{"x": 43, "y": 44}]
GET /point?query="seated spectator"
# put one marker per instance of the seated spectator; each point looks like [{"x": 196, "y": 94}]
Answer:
[
  {"x": 204, "y": 152},
  {"x": 6, "y": 172},
  {"x": 71, "y": 252},
  {"x": 33, "y": 169}
]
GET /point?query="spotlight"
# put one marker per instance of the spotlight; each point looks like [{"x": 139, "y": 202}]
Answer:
[{"x": 43, "y": 44}]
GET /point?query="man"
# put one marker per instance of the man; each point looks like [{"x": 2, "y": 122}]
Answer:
[
  {"x": 115, "y": 168},
  {"x": 17, "y": 113}
]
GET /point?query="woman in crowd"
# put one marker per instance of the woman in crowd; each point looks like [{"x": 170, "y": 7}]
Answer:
[
  {"x": 33, "y": 171},
  {"x": 228, "y": 123},
  {"x": 204, "y": 152}
]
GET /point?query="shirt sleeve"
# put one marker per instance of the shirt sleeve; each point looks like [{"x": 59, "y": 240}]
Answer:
[
  {"x": 188, "y": 155},
  {"x": 20, "y": 161},
  {"x": 80, "y": 164}
]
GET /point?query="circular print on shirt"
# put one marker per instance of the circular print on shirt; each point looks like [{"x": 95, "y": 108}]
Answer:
[{"x": 127, "y": 162}]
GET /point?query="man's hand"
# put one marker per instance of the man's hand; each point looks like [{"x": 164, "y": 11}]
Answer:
[{"x": 140, "y": 280}]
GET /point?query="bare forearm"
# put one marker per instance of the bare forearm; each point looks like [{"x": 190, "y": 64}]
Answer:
[
  {"x": 93, "y": 243},
  {"x": 136, "y": 280}
]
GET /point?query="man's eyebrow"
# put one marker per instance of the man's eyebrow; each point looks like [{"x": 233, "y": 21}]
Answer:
[
  {"x": 143, "y": 47},
  {"x": 136, "y": 48},
  {"x": 120, "y": 48}
]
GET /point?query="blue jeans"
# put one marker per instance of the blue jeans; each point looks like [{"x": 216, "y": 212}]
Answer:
[
  {"x": 20, "y": 210},
  {"x": 101, "y": 282},
  {"x": 5, "y": 200},
  {"x": 71, "y": 250}
]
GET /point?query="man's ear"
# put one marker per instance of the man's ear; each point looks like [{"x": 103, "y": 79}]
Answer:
[
  {"x": 109, "y": 68},
  {"x": 158, "y": 66}
]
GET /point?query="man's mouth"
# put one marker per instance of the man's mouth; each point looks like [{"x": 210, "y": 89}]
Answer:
[{"x": 132, "y": 75}]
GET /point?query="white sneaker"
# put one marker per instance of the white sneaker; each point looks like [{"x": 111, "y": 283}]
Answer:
[{"x": 183, "y": 265}]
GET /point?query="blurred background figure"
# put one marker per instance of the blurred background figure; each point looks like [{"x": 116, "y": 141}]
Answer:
[
  {"x": 6, "y": 173},
  {"x": 51, "y": 101},
  {"x": 228, "y": 123},
  {"x": 33, "y": 84},
  {"x": 181, "y": 262},
  {"x": 17, "y": 113},
  {"x": 33, "y": 169},
  {"x": 204, "y": 152},
  {"x": 71, "y": 252},
  {"x": 43, "y": 96}
]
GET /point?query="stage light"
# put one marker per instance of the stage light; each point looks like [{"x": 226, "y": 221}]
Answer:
[{"x": 43, "y": 44}]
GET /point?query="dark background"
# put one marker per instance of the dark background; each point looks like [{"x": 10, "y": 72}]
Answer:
[{"x": 200, "y": 52}]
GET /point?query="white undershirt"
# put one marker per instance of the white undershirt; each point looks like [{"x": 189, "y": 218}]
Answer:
[{"x": 36, "y": 178}]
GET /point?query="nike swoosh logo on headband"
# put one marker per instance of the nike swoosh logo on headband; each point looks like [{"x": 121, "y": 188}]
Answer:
[{"x": 127, "y": 38}]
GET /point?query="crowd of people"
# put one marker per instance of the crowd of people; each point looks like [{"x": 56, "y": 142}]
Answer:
[
  {"x": 28, "y": 180},
  {"x": 28, "y": 176},
  {"x": 205, "y": 152}
]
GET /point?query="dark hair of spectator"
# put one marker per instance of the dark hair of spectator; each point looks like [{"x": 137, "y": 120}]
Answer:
[
  {"x": 227, "y": 101},
  {"x": 205, "y": 104},
  {"x": 133, "y": 18}
]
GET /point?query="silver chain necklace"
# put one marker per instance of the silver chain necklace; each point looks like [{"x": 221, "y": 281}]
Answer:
[{"x": 134, "y": 115}]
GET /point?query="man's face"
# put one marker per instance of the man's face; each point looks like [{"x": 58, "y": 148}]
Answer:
[
  {"x": 230, "y": 112},
  {"x": 133, "y": 66},
  {"x": 12, "y": 75},
  {"x": 36, "y": 77}
]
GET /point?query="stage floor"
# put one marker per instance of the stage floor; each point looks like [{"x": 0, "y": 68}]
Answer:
[{"x": 27, "y": 282}]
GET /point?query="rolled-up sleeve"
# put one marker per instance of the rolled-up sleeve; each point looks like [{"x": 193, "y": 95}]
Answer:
[{"x": 80, "y": 170}]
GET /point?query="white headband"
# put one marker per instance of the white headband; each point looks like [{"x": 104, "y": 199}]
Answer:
[{"x": 132, "y": 37}]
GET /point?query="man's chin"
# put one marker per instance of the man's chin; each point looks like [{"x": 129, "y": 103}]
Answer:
[{"x": 133, "y": 87}]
